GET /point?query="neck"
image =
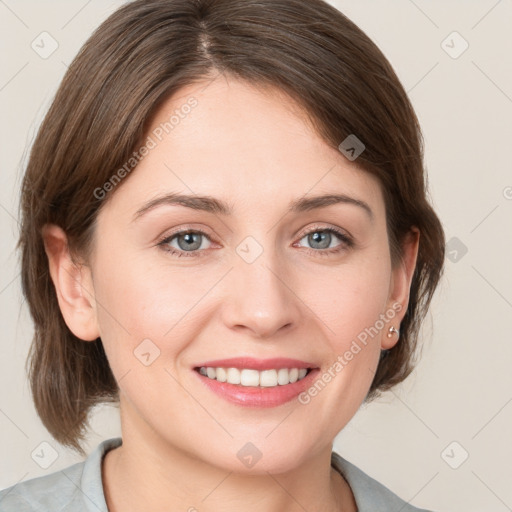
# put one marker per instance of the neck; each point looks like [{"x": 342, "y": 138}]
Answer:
[{"x": 137, "y": 476}]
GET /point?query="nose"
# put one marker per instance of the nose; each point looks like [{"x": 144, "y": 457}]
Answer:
[{"x": 259, "y": 298}]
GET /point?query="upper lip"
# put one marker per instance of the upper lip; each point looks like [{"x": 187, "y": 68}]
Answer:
[{"x": 257, "y": 364}]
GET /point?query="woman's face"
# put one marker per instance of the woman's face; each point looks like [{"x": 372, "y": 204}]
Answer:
[{"x": 256, "y": 279}]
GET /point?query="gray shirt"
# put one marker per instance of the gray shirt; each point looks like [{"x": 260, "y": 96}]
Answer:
[{"x": 78, "y": 488}]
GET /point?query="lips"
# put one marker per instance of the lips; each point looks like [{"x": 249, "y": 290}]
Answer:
[{"x": 297, "y": 376}]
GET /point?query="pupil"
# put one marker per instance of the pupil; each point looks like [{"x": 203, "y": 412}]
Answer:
[
  {"x": 319, "y": 236},
  {"x": 190, "y": 241}
]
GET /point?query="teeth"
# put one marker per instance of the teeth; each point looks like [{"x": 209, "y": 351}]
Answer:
[
  {"x": 268, "y": 378},
  {"x": 233, "y": 375},
  {"x": 250, "y": 378},
  {"x": 221, "y": 375},
  {"x": 282, "y": 376},
  {"x": 247, "y": 377}
]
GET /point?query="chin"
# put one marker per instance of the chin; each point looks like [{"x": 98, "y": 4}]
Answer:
[{"x": 260, "y": 456}]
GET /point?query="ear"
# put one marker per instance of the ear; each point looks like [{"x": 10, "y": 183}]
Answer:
[
  {"x": 400, "y": 285},
  {"x": 73, "y": 284}
]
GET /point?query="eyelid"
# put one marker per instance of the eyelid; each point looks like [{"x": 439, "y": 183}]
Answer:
[
  {"x": 305, "y": 231},
  {"x": 184, "y": 228},
  {"x": 322, "y": 227}
]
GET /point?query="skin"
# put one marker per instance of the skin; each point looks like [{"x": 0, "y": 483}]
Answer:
[{"x": 255, "y": 150}]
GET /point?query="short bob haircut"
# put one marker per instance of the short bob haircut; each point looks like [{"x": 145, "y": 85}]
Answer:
[{"x": 141, "y": 55}]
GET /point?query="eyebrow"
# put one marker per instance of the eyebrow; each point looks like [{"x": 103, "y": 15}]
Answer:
[{"x": 212, "y": 205}]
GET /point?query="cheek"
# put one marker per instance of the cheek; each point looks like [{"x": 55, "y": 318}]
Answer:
[
  {"x": 350, "y": 299},
  {"x": 351, "y": 307},
  {"x": 137, "y": 302}
]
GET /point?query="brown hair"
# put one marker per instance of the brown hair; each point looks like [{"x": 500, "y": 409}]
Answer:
[{"x": 142, "y": 54}]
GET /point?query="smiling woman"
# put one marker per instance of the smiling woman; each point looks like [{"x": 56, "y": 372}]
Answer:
[{"x": 258, "y": 270}]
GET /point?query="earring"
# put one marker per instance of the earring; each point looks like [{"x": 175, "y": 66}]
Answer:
[{"x": 393, "y": 330}]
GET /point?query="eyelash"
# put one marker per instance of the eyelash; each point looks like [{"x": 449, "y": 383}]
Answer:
[{"x": 346, "y": 241}]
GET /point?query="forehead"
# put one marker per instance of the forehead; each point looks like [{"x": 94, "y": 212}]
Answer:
[{"x": 251, "y": 146}]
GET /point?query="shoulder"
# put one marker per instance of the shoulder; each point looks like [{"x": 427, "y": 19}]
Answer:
[
  {"x": 55, "y": 491},
  {"x": 77, "y": 488},
  {"x": 370, "y": 495}
]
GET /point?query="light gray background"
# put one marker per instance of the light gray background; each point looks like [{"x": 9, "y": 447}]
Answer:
[{"x": 462, "y": 389}]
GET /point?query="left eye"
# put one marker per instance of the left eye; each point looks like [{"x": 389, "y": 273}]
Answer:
[{"x": 322, "y": 238}]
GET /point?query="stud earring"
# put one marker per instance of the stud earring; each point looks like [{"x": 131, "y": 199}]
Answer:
[{"x": 393, "y": 330}]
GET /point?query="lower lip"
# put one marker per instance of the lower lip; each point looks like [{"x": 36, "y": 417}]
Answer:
[{"x": 252, "y": 396}]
